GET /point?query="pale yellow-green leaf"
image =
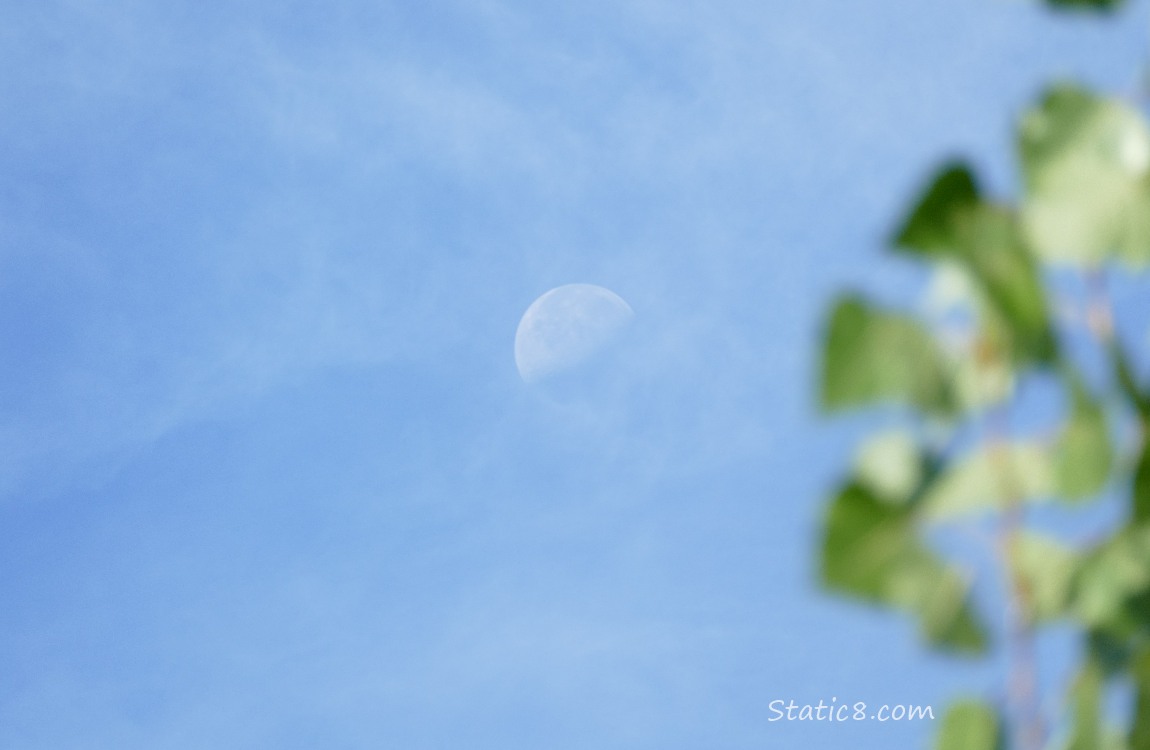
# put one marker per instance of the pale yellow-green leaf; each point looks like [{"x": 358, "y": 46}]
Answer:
[
  {"x": 990, "y": 479},
  {"x": 1047, "y": 566},
  {"x": 1086, "y": 162},
  {"x": 950, "y": 290},
  {"x": 982, "y": 383},
  {"x": 1114, "y": 738},
  {"x": 890, "y": 464},
  {"x": 1083, "y": 454}
]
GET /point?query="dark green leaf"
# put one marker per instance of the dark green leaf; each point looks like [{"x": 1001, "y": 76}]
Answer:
[
  {"x": 865, "y": 545},
  {"x": 952, "y": 222},
  {"x": 933, "y": 226},
  {"x": 1140, "y": 494},
  {"x": 1102, "y": 5},
  {"x": 1140, "y": 728},
  {"x": 870, "y": 550},
  {"x": 872, "y": 356},
  {"x": 1110, "y": 651},
  {"x": 993, "y": 250}
]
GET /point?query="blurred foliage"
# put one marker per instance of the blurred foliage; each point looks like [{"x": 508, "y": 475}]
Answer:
[
  {"x": 1047, "y": 567},
  {"x": 951, "y": 375},
  {"x": 1140, "y": 731},
  {"x": 874, "y": 355},
  {"x": 1088, "y": 4},
  {"x": 1084, "y": 160},
  {"x": 1083, "y": 455},
  {"x": 1086, "y": 698},
  {"x": 871, "y": 550},
  {"x": 970, "y": 725},
  {"x": 954, "y": 222}
]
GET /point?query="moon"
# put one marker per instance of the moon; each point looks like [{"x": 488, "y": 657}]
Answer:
[{"x": 567, "y": 328}]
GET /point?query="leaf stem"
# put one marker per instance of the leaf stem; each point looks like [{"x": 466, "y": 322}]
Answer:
[{"x": 1024, "y": 705}]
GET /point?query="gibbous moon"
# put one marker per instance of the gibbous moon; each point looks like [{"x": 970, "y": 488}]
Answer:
[{"x": 566, "y": 328}]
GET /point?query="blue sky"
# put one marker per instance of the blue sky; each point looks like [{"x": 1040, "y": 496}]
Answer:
[{"x": 270, "y": 478}]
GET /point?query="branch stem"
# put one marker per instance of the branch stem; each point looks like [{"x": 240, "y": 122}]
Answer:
[{"x": 1023, "y": 701}]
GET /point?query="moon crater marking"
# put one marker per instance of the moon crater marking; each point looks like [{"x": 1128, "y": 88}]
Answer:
[{"x": 567, "y": 327}]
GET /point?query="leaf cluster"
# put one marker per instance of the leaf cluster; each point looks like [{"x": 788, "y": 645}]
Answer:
[{"x": 955, "y": 371}]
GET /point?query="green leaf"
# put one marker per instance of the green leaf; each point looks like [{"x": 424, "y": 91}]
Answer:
[
  {"x": 1086, "y": 166},
  {"x": 934, "y": 225},
  {"x": 1110, "y": 651},
  {"x": 1101, "y": 5},
  {"x": 1083, "y": 454},
  {"x": 982, "y": 381},
  {"x": 1140, "y": 494},
  {"x": 993, "y": 249},
  {"x": 870, "y": 550},
  {"x": 1087, "y": 732},
  {"x": 970, "y": 725},
  {"x": 945, "y": 613},
  {"x": 1108, "y": 577},
  {"x": 867, "y": 546},
  {"x": 1047, "y": 568},
  {"x": 974, "y": 338},
  {"x": 1127, "y": 380},
  {"x": 951, "y": 222},
  {"x": 1140, "y": 727},
  {"x": 990, "y": 479},
  {"x": 872, "y": 356}
]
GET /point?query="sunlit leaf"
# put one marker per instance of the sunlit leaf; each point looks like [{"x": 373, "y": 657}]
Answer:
[
  {"x": 871, "y": 550},
  {"x": 990, "y": 479},
  {"x": 953, "y": 223},
  {"x": 970, "y": 725},
  {"x": 973, "y": 337},
  {"x": 983, "y": 373},
  {"x": 891, "y": 465},
  {"x": 872, "y": 356},
  {"x": 1083, "y": 454},
  {"x": 1086, "y": 163},
  {"x": 1047, "y": 568}
]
